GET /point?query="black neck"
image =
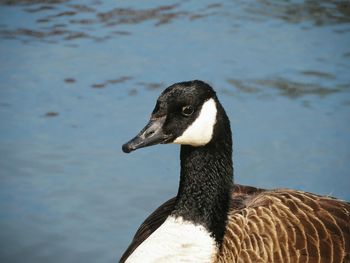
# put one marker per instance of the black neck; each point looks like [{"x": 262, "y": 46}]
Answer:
[{"x": 206, "y": 181}]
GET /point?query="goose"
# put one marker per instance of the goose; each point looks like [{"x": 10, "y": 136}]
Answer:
[{"x": 211, "y": 219}]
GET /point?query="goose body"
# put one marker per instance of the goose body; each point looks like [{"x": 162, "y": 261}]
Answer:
[{"x": 213, "y": 220}]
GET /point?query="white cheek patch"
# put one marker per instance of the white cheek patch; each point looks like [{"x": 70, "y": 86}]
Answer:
[{"x": 201, "y": 130}]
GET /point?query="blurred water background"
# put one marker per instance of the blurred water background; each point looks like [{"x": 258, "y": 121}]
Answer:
[{"x": 80, "y": 78}]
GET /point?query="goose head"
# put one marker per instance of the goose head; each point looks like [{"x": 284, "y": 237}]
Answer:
[
  {"x": 186, "y": 113},
  {"x": 190, "y": 114}
]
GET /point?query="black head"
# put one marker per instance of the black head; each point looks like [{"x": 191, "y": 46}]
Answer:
[{"x": 185, "y": 113}]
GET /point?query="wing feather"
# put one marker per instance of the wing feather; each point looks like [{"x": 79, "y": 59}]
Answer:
[
  {"x": 273, "y": 226},
  {"x": 288, "y": 226}
]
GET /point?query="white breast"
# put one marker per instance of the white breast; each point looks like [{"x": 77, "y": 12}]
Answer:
[{"x": 176, "y": 240}]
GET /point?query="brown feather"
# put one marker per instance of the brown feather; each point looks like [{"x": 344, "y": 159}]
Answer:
[
  {"x": 288, "y": 226},
  {"x": 273, "y": 226}
]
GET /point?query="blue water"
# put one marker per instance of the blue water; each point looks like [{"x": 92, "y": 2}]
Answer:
[{"x": 80, "y": 78}]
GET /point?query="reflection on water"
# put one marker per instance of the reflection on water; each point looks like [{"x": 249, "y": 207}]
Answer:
[
  {"x": 80, "y": 78},
  {"x": 64, "y": 25},
  {"x": 318, "y": 12},
  {"x": 111, "y": 81},
  {"x": 289, "y": 88},
  {"x": 152, "y": 85},
  {"x": 69, "y": 80},
  {"x": 55, "y": 21},
  {"x": 51, "y": 114},
  {"x": 319, "y": 74}
]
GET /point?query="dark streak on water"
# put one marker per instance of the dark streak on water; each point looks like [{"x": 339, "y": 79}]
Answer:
[
  {"x": 289, "y": 88},
  {"x": 51, "y": 114},
  {"x": 152, "y": 85},
  {"x": 116, "y": 17},
  {"x": 111, "y": 82},
  {"x": 319, "y": 12},
  {"x": 69, "y": 80},
  {"x": 319, "y": 74}
]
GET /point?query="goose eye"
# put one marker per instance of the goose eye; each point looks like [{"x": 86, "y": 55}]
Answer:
[{"x": 187, "y": 110}]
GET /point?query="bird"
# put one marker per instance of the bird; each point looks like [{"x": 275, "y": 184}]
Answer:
[{"x": 212, "y": 219}]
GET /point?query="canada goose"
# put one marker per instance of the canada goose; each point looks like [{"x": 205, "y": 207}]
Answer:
[{"x": 213, "y": 220}]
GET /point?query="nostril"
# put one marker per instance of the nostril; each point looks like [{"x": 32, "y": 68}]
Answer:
[{"x": 149, "y": 133}]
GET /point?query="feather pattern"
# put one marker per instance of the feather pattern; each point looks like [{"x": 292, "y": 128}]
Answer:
[
  {"x": 287, "y": 226},
  {"x": 273, "y": 226}
]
